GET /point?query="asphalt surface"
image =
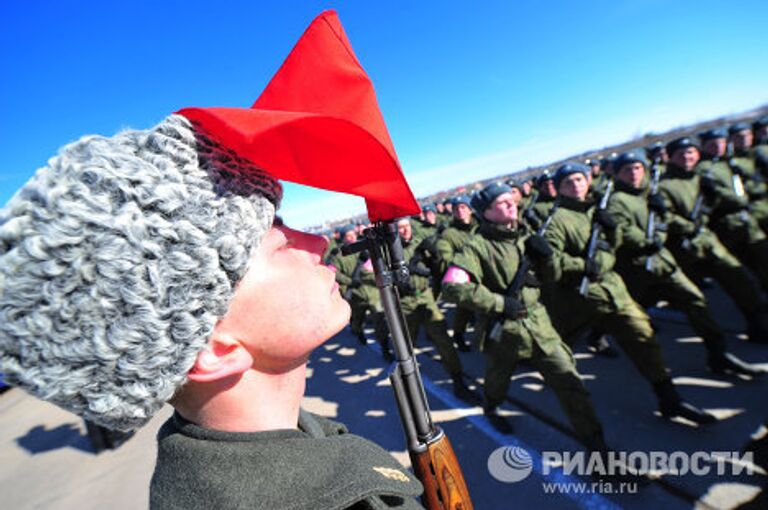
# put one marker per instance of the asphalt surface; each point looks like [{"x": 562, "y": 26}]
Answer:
[{"x": 47, "y": 462}]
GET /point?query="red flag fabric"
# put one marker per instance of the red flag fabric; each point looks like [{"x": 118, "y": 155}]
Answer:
[{"x": 318, "y": 123}]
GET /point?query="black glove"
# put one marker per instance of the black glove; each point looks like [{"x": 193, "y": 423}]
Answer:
[
  {"x": 538, "y": 248},
  {"x": 592, "y": 270},
  {"x": 419, "y": 269},
  {"x": 513, "y": 308},
  {"x": 656, "y": 203},
  {"x": 429, "y": 245},
  {"x": 355, "y": 283},
  {"x": 532, "y": 219},
  {"x": 364, "y": 255},
  {"x": 654, "y": 246},
  {"x": 708, "y": 187},
  {"x": 606, "y": 220},
  {"x": 603, "y": 245},
  {"x": 407, "y": 288}
]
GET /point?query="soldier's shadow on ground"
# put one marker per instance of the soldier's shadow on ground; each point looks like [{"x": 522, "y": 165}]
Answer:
[{"x": 40, "y": 439}]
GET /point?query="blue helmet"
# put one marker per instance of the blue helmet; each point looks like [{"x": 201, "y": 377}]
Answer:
[{"x": 569, "y": 169}]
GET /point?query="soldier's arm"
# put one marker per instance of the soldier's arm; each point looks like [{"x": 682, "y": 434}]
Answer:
[
  {"x": 632, "y": 235},
  {"x": 445, "y": 253},
  {"x": 563, "y": 265},
  {"x": 677, "y": 221},
  {"x": 462, "y": 284},
  {"x": 341, "y": 277},
  {"x": 725, "y": 197}
]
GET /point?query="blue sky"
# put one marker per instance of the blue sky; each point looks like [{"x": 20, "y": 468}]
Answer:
[{"x": 468, "y": 89}]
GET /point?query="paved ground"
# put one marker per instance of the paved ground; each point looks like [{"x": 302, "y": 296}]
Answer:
[{"x": 46, "y": 461}]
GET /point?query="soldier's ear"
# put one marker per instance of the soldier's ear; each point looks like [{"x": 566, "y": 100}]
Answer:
[{"x": 222, "y": 358}]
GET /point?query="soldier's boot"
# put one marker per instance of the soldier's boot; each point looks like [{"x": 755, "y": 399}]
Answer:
[
  {"x": 599, "y": 344},
  {"x": 727, "y": 363},
  {"x": 462, "y": 343},
  {"x": 672, "y": 405},
  {"x": 500, "y": 423},
  {"x": 462, "y": 391},
  {"x": 757, "y": 328}
]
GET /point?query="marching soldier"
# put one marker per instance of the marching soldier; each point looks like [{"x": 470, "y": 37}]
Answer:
[
  {"x": 604, "y": 298},
  {"x": 545, "y": 200},
  {"x": 357, "y": 284},
  {"x": 696, "y": 248},
  {"x": 657, "y": 152},
  {"x": 744, "y": 164},
  {"x": 651, "y": 272},
  {"x": 730, "y": 217},
  {"x": 452, "y": 240},
  {"x": 480, "y": 277},
  {"x": 420, "y": 309},
  {"x": 429, "y": 225}
]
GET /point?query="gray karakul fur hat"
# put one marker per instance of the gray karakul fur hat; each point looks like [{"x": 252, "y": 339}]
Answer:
[{"x": 117, "y": 260}]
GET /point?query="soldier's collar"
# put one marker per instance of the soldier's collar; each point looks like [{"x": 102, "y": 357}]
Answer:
[
  {"x": 678, "y": 172},
  {"x": 498, "y": 231},
  {"x": 576, "y": 205},
  {"x": 628, "y": 188}
]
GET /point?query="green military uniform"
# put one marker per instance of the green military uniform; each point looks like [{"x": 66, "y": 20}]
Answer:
[
  {"x": 699, "y": 251},
  {"x": 665, "y": 280},
  {"x": 363, "y": 296},
  {"x": 422, "y": 229},
  {"x": 744, "y": 164},
  {"x": 541, "y": 210},
  {"x": 452, "y": 240},
  {"x": 607, "y": 300},
  {"x": 331, "y": 251},
  {"x": 492, "y": 258},
  {"x": 420, "y": 309},
  {"x": 731, "y": 221},
  {"x": 317, "y": 465}
]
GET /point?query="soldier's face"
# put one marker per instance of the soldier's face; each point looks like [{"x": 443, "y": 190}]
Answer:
[
  {"x": 350, "y": 237},
  {"x": 503, "y": 210},
  {"x": 516, "y": 195},
  {"x": 632, "y": 174},
  {"x": 743, "y": 139},
  {"x": 404, "y": 229},
  {"x": 686, "y": 158},
  {"x": 440, "y": 208},
  {"x": 287, "y": 303},
  {"x": 430, "y": 217},
  {"x": 715, "y": 147},
  {"x": 575, "y": 186},
  {"x": 548, "y": 187},
  {"x": 526, "y": 188},
  {"x": 463, "y": 213},
  {"x": 448, "y": 207},
  {"x": 595, "y": 170}
]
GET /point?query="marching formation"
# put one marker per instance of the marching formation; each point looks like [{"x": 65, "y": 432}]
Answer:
[{"x": 581, "y": 253}]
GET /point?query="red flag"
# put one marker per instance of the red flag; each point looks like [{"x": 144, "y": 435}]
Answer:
[{"x": 318, "y": 123}]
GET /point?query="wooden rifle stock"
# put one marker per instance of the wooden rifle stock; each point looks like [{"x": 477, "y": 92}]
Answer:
[{"x": 434, "y": 461}]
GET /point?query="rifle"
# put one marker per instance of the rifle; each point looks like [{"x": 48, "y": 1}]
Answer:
[
  {"x": 650, "y": 229},
  {"x": 516, "y": 285},
  {"x": 736, "y": 181},
  {"x": 697, "y": 213},
  {"x": 432, "y": 456},
  {"x": 594, "y": 236},
  {"x": 530, "y": 215}
]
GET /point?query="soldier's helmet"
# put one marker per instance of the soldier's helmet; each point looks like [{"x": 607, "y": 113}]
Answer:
[
  {"x": 681, "y": 143},
  {"x": 485, "y": 197},
  {"x": 567, "y": 169},
  {"x": 625, "y": 158}
]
